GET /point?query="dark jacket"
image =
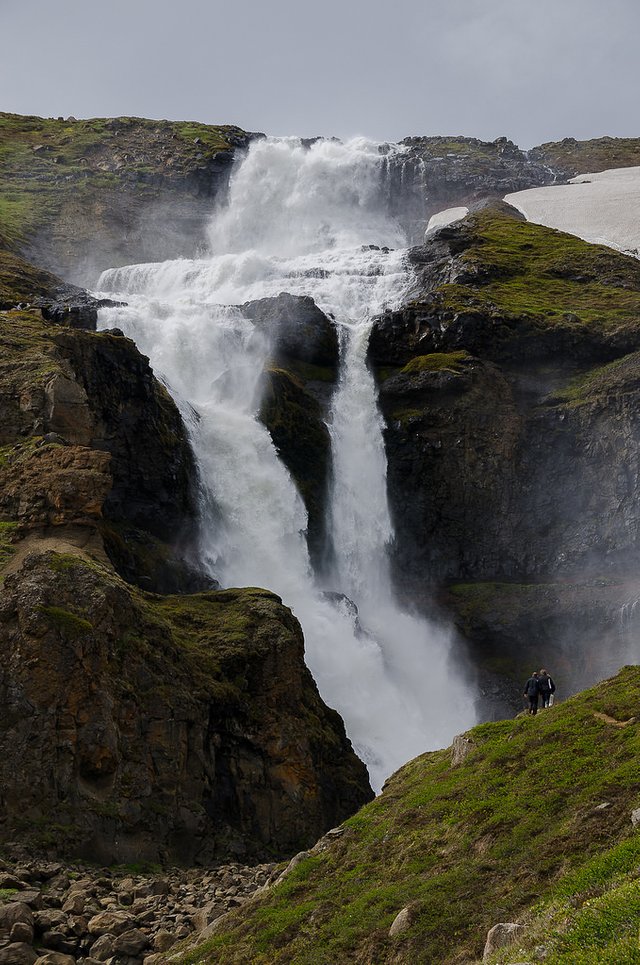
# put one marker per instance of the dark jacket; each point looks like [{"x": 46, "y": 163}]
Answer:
[
  {"x": 532, "y": 687},
  {"x": 546, "y": 684}
]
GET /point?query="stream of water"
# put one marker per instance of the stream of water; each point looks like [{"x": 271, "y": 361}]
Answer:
[{"x": 301, "y": 219}]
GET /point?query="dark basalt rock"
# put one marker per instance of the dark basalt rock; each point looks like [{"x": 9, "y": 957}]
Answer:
[
  {"x": 180, "y": 728},
  {"x": 296, "y": 327},
  {"x": 295, "y": 420}
]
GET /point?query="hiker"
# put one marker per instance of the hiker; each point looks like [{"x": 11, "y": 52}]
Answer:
[
  {"x": 547, "y": 688},
  {"x": 531, "y": 690}
]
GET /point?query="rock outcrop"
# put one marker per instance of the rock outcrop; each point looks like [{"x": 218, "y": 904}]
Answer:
[
  {"x": 509, "y": 385},
  {"x": 181, "y": 727},
  {"x": 296, "y": 394},
  {"x": 133, "y": 725}
]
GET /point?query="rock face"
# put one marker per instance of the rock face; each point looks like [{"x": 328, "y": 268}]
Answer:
[
  {"x": 173, "y": 727},
  {"x": 296, "y": 396},
  {"x": 90, "y": 439},
  {"x": 434, "y": 173},
  {"x": 134, "y": 726},
  {"x": 509, "y": 388},
  {"x": 116, "y": 191}
]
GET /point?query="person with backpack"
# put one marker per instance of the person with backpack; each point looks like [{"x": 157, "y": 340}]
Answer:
[
  {"x": 531, "y": 691},
  {"x": 547, "y": 688}
]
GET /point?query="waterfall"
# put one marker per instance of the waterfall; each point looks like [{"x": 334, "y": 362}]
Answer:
[{"x": 309, "y": 220}]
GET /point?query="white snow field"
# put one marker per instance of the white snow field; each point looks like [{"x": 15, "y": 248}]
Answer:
[
  {"x": 601, "y": 208},
  {"x": 446, "y": 217}
]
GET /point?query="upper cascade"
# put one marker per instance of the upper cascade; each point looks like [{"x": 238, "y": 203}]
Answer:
[{"x": 290, "y": 199}]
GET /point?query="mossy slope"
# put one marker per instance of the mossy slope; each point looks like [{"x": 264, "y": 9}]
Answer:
[{"x": 513, "y": 833}]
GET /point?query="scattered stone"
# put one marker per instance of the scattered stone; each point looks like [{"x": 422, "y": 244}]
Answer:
[
  {"x": 163, "y": 941},
  {"x": 635, "y": 817},
  {"x": 103, "y": 948},
  {"x": 82, "y": 919},
  {"x": 502, "y": 934},
  {"x": 460, "y": 749},
  {"x": 603, "y": 806},
  {"x": 74, "y": 905},
  {"x": 13, "y": 912},
  {"x": 401, "y": 922},
  {"x": 22, "y": 932}
]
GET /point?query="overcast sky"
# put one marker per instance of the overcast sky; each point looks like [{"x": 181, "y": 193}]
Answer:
[{"x": 534, "y": 70}]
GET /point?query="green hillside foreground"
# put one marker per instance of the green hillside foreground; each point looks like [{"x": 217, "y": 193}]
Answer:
[{"x": 534, "y": 826}]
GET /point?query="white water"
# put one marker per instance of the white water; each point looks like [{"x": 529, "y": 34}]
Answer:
[{"x": 297, "y": 220}]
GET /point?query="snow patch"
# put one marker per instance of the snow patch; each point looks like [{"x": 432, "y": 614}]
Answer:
[{"x": 602, "y": 208}]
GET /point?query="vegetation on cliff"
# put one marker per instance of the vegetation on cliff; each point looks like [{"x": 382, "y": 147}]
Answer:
[
  {"x": 533, "y": 825},
  {"x": 570, "y": 157},
  {"x": 46, "y": 163}
]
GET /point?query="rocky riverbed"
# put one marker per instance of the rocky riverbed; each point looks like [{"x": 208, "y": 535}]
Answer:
[{"x": 55, "y": 914}]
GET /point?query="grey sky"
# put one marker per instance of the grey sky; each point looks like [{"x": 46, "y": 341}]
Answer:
[{"x": 534, "y": 70}]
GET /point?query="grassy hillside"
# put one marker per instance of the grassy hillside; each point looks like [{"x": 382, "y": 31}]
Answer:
[
  {"x": 533, "y": 826},
  {"x": 570, "y": 157}
]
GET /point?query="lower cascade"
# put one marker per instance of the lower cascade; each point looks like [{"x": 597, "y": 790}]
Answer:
[{"x": 308, "y": 220}]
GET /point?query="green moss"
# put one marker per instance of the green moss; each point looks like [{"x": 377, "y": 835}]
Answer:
[
  {"x": 524, "y": 271},
  {"x": 408, "y": 416},
  {"x": 436, "y": 362},
  {"x": 67, "y": 623},
  {"x": 468, "y": 846},
  {"x": 6, "y": 893}
]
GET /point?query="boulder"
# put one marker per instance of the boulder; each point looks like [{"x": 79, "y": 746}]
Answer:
[
  {"x": 109, "y": 922},
  {"x": 12, "y": 912},
  {"x": 501, "y": 935},
  {"x": 401, "y": 922},
  {"x": 55, "y": 958},
  {"x": 131, "y": 942},
  {"x": 18, "y": 953}
]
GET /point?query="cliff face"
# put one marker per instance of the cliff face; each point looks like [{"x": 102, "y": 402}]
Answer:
[
  {"x": 177, "y": 728},
  {"x": 77, "y": 196},
  {"x": 134, "y": 725},
  {"x": 509, "y": 387},
  {"x": 434, "y": 173}
]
